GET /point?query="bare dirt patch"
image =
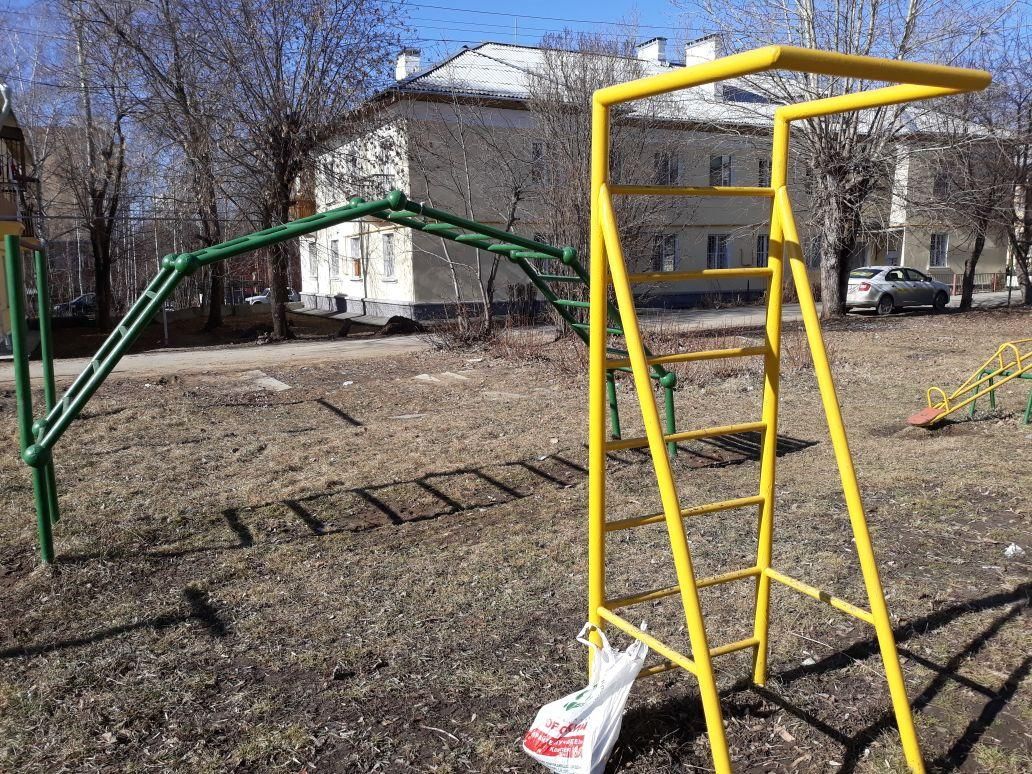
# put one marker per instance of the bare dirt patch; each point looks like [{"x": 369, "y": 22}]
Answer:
[{"x": 370, "y": 571}]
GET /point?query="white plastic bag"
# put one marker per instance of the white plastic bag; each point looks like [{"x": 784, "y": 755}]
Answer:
[{"x": 575, "y": 734}]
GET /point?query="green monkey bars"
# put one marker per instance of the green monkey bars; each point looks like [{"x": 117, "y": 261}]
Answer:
[{"x": 38, "y": 437}]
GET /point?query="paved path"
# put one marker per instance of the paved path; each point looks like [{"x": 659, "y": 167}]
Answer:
[
  {"x": 237, "y": 358},
  {"x": 753, "y": 316}
]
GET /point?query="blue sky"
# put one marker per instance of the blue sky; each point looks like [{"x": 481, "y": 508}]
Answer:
[{"x": 441, "y": 26}]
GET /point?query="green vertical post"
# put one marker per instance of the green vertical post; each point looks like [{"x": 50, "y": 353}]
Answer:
[
  {"x": 1028, "y": 409},
  {"x": 23, "y": 387},
  {"x": 45, "y": 336},
  {"x": 614, "y": 411},
  {"x": 46, "y": 352},
  {"x": 992, "y": 395},
  {"x": 668, "y": 382}
]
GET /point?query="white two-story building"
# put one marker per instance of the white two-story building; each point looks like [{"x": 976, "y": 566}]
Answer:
[{"x": 465, "y": 135}]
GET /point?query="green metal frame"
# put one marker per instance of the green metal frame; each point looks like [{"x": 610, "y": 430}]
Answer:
[
  {"x": 1027, "y": 420},
  {"x": 38, "y": 437}
]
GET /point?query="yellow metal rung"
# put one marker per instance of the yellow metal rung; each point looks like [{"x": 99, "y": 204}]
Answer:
[
  {"x": 732, "y": 647},
  {"x": 689, "y": 435},
  {"x": 657, "y": 669},
  {"x": 666, "y": 652},
  {"x": 698, "y": 510},
  {"x": 650, "y": 596},
  {"x": 823, "y": 596},
  {"x": 703, "y": 274},
  {"x": 708, "y": 190},
  {"x": 684, "y": 357}
]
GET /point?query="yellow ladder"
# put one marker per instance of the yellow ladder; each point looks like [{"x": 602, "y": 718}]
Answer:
[{"x": 608, "y": 267}]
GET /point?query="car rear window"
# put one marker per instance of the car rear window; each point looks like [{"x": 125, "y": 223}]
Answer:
[{"x": 864, "y": 273}]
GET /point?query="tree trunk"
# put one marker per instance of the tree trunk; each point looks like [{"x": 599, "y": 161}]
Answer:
[
  {"x": 102, "y": 278},
  {"x": 967, "y": 288},
  {"x": 279, "y": 266}
]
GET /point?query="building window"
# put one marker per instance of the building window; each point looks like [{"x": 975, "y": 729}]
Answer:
[
  {"x": 313, "y": 259},
  {"x": 355, "y": 256},
  {"x": 664, "y": 252},
  {"x": 762, "y": 249},
  {"x": 665, "y": 165},
  {"x": 763, "y": 173},
  {"x": 938, "y": 249},
  {"x": 717, "y": 251},
  {"x": 941, "y": 184},
  {"x": 387, "y": 245},
  {"x": 334, "y": 258},
  {"x": 720, "y": 170},
  {"x": 539, "y": 172}
]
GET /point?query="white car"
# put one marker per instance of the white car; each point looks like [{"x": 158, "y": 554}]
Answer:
[
  {"x": 886, "y": 288},
  {"x": 263, "y": 297}
]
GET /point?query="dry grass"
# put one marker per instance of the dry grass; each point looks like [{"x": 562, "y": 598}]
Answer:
[{"x": 387, "y": 574}]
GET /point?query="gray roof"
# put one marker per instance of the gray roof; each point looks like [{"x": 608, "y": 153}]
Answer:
[{"x": 507, "y": 72}]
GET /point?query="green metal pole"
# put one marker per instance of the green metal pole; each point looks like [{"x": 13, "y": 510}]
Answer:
[
  {"x": 1028, "y": 409},
  {"x": 668, "y": 382},
  {"x": 45, "y": 335},
  {"x": 614, "y": 410},
  {"x": 23, "y": 386},
  {"x": 46, "y": 352}
]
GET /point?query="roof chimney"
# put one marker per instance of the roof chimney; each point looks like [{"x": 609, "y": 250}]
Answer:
[
  {"x": 703, "y": 50},
  {"x": 653, "y": 51},
  {"x": 408, "y": 63}
]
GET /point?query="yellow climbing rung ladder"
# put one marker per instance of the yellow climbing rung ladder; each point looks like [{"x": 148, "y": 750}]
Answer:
[{"x": 609, "y": 268}]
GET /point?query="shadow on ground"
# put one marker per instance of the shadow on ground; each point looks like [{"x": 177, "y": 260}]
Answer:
[{"x": 681, "y": 722}]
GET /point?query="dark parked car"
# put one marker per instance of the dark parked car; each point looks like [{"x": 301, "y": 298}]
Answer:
[{"x": 83, "y": 306}]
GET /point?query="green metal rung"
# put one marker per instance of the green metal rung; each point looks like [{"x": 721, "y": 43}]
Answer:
[
  {"x": 615, "y": 351},
  {"x": 569, "y": 302},
  {"x": 122, "y": 329},
  {"x": 475, "y": 240},
  {"x": 561, "y": 278},
  {"x": 585, "y": 326},
  {"x": 504, "y": 249},
  {"x": 441, "y": 229},
  {"x": 532, "y": 255}
]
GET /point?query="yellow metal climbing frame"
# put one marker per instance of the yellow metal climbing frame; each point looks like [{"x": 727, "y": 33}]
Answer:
[
  {"x": 913, "y": 81},
  {"x": 1011, "y": 360}
]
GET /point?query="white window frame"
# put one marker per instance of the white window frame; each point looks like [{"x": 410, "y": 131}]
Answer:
[
  {"x": 720, "y": 170},
  {"x": 666, "y": 168},
  {"x": 387, "y": 250},
  {"x": 664, "y": 252},
  {"x": 763, "y": 172},
  {"x": 761, "y": 252},
  {"x": 313, "y": 260},
  {"x": 540, "y": 171},
  {"x": 939, "y": 251},
  {"x": 355, "y": 257},
  {"x": 334, "y": 259},
  {"x": 718, "y": 251}
]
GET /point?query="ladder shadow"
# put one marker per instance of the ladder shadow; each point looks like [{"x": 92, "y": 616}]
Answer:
[{"x": 683, "y": 719}]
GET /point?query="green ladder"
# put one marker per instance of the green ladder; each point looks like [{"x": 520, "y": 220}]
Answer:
[{"x": 39, "y": 436}]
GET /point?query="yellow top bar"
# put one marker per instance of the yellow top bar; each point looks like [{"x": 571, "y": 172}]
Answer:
[{"x": 956, "y": 79}]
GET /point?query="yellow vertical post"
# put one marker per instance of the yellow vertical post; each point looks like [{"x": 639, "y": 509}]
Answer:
[
  {"x": 851, "y": 489},
  {"x": 597, "y": 336},
  {"x": 667, "y": 488},
  {"x": 771, "y": 385}
]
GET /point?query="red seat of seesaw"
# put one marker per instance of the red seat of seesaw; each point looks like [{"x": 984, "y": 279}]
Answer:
[{"x": 926, "y": 416}]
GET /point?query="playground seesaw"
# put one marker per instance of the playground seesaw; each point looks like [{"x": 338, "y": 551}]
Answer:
[{"x": 1011, "y": 360}]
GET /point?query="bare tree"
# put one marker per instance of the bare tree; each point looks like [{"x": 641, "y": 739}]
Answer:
[
  {"x": 92, "y": 156},
  {"x": 177, "y": 88},
  {"x": 848, "y": 157},
  {"x": 295, "y": 70},
  {"x": 475, "y": 158},
  {"x": 961, "y": 176}
]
